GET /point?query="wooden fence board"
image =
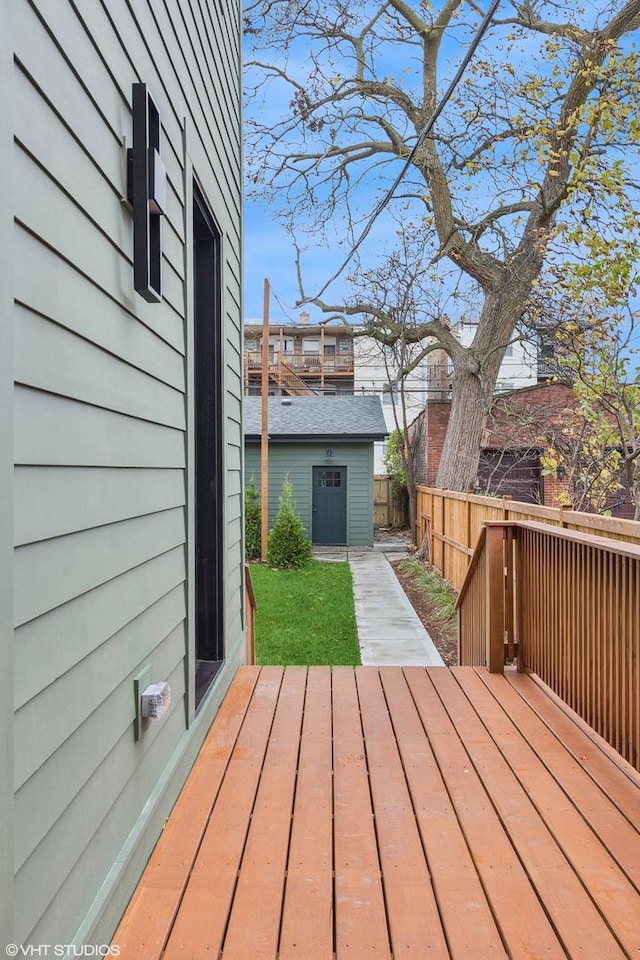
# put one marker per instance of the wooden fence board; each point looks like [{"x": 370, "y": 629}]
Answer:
[{"x": 455, "y": 521}]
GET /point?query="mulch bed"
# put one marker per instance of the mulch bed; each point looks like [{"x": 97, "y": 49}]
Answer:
[{"x": 443, "y": 634}]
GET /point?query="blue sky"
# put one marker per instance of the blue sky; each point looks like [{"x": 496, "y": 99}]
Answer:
[{"x": 268, "y": 252}]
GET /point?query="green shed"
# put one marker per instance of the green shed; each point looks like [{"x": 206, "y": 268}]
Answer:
[{"x": 325, "y": 444}]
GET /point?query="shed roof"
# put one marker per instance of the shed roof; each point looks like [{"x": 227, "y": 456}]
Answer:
[{"x": 341, "y": 418}]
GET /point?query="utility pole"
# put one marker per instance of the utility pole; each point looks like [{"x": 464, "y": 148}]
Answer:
[{"x": 264, "y": 435}]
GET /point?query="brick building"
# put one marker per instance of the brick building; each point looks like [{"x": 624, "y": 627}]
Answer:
[{"x": 518, "y": 430}]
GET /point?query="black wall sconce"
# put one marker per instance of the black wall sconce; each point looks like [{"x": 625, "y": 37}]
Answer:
[
  {"x": 561, "y": 472},
  {"x": 147, "y": 194}
]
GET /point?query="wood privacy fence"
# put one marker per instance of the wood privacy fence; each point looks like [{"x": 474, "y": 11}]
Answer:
[
  {"x": 454, "y": 521},
  {"x": 388, "y": 510},
  {"x": 567, "y": 605}
]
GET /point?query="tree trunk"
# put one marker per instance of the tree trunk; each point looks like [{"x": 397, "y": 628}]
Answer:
[
  {"x": 635, "y": 497},
  {"x": 475, "y": 373},
  {"x": 458, "y": 466},
  {"x": 632, "y": 476}
]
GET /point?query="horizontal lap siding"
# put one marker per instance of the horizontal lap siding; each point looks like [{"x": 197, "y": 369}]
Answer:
[
  {"x": 7, "y": 255},
  {"x": 361, "y": 496},
  {"x": 100, "y": 452},
  {"x": 97, "y": 821},
  {"x": 54, "y": 501},
  {"x": 298, "y": 460},
  {"x": 59, "y": 713}
]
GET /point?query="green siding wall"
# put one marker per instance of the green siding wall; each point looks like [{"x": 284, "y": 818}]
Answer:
[
  {"x": 103, "y": 520},
  {"x": 298, "y": 460},
  {"x": 6, "y": 482}
]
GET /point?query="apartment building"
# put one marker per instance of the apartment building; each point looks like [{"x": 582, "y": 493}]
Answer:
[{"x": 303, "y": 360}]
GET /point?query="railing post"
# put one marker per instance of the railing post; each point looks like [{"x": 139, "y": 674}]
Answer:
[
  {"x": 563, "y": 510},
  {"x": 495, "y": 606},
  {"x": 250, "y": 616},
  {"x": 510, "y": 534}
]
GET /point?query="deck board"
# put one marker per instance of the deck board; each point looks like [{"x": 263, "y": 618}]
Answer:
[
  {"x": 608, "y": 769},
  {"x": 254, "y": 923},
  {"x": 307, "y": 914},
  {"x": 525, "y": 928},
  {"x": 147, "y": 924},
  {"x": 614, "y": 830},
  {"x": 394, "y": 813},
  {"x": 361, "y": 924},
  {"x": 456, "y": 883},
  {"x": 414, "y": 921},
  {"x": 201, "y": 922},
  {"x": 566, "y": 902},
  {"x": 571, "y": 839}
]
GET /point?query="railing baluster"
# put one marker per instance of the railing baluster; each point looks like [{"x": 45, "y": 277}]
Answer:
[{"x": 577, "y": 619}]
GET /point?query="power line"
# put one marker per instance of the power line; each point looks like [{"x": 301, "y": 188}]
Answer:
[
  {"x": 283, "y": 307},
  {"x": 426, "y": 130}
]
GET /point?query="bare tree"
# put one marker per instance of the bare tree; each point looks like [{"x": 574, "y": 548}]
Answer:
[
  {"x": 398, "y": 296},
  {"x": 531, "y": 157},
  {"x": 403, "y": 417}
]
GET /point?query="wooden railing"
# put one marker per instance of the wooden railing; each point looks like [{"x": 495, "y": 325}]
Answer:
[
  {"x": 250, "y": 615},
  {"x": 453, "y": 521},
  {"x": 305, "y": 363},
  {"x": 487, "y": 601},
  {"x": 472, "y": 610},
  {"x": 567, "y": 604},
  {"x": 285, "y": 377}
]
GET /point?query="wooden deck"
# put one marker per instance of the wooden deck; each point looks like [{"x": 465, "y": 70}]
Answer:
[{"x": 394, "y": 813}]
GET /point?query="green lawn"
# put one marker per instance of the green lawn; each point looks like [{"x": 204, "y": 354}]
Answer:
[{"x": 305, "y": 616}]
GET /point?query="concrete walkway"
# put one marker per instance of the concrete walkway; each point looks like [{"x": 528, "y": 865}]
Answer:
[{"x": 389, "y": 631}]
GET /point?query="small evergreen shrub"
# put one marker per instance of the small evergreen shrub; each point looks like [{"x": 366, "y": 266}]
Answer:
[
  {"x": 288, "y": 544},
  {"x": 252, "y": 522}
]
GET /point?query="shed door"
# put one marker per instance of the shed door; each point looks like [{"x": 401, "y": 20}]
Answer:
[{"x": 329, "y": 505}]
